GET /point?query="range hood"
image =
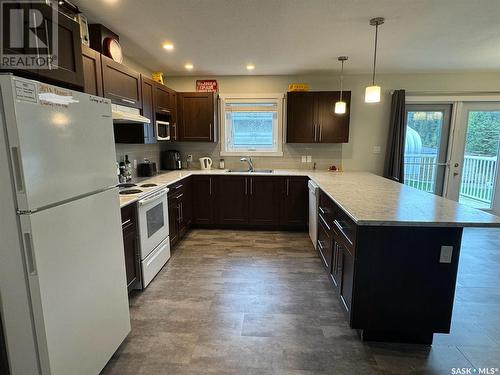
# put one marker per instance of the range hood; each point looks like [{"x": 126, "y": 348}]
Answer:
[{"x": 127, "y": 115}]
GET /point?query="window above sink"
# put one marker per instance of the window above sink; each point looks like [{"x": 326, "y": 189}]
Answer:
[{"x": 252, "y": 125}]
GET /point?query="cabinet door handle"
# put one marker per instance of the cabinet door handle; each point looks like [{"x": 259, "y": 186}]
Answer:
[
  {"x": 126, "y": 222},
  {"x": 179, "y": 196},
  {"x": 211, "y": 132},
  {"x": 127, "y": 101},
  {"x": 320, "y": 128},
  {"x": 181, "y": 206},
  {"x": 314, "y": 132},
  {"x": 210, "y": 184},
  {"x": 251, "y": 186},
  {"x": 246, "y": 186},
  {"x": 287, "y": 187}
]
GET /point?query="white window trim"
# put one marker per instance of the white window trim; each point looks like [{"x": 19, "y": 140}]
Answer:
[{"x": 222, "y": 115}]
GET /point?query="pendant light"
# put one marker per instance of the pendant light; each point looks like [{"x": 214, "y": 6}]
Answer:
[
  {"x": 372, "y": 93},
  {"x": 340, "y": 106}
]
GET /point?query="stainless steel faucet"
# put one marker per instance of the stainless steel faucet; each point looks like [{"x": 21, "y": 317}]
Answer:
[{"x": 250, "y": 163}]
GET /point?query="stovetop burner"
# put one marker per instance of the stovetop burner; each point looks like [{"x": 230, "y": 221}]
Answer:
[
  {"x": 126, "y": 185},
  {"x": 148, "y": 185},
  {"x": 130, "y": 191}
]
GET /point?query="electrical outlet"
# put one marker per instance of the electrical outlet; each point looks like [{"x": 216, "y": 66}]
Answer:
[
  {"x": 446, "y": 254},
  {"x": 190, "y": 158},
  {"x": 304, "y": 158},
  {"x": 376, "y": 149},
  {"x": 309, "y": 158},
  {"x": 135, "y": 163}
]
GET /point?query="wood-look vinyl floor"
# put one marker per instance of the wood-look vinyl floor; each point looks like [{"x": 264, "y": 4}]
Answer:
[{"x": 248, "y": 302}]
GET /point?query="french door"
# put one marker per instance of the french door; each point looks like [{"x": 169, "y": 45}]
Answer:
[
  {"x": 426, "y": 146},
  {"x": 473, "y": 179},
  {"x": 453, "y": 150}
]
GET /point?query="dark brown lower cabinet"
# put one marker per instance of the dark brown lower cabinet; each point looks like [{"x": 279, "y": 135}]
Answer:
[
  {"x": 232, "y": 200},
  {"x": 203, "y": 200},
  {"x": 255, "y": 201},
  {"x": 295, "y": 205},
  {"x": 389, "y": 279},
  {"x": 264, "y": 200},
  {"x": 130, "y": 244},
  {"x": 179, "y": 210}
]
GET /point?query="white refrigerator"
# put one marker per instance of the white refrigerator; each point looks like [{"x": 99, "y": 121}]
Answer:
[{"x": 63, "y": 294}]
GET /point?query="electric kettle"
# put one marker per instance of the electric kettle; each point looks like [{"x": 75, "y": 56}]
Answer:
[{"x": 206, "y": 163}]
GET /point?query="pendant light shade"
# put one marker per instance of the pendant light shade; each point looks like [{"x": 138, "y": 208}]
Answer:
[
  {"x": 372, "y": 93},
  {"x": 340, "y": 106}
]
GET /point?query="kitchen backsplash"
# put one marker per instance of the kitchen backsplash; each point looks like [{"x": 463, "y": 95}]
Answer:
[
  {"x": 138, "y": 152},
  {"x": 324, "y": 155}
]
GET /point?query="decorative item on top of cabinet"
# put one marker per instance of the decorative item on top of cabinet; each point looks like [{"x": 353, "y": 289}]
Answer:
[
  {"x": 197, "y": 116},
  {"x": 311, "y": 117},
  {"x": 92, "y": 72},
  {"x": 121, "y": 84},
  {"x": 67, "y": 69}
]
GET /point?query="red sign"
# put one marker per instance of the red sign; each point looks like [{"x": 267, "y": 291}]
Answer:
[{"x": 206, "y": 85}]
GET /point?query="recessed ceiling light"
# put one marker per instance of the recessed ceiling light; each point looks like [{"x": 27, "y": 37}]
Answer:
[
  {"x": 250, "y": 66},
  {"x": 168, "y": 46},
  {"x": 189, "y": 66}
]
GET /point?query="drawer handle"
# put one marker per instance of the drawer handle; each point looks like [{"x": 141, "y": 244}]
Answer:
[
  {"x": 341, "y": 228},
  {"x": 128, "y": 101},
  {"x": 322, "y": 210},
  {"x": 179, "y": 196},
  {"x": 324, "y": 222},
  {"x": 126, "y": 222}
]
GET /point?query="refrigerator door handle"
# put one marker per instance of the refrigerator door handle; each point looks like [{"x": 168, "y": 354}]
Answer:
[
  {"x": 16, "y": 161},
  {"x": 30, "y": 257}
]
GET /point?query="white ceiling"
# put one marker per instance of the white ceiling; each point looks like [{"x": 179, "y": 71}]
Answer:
[{"x": 304, "y": 36}]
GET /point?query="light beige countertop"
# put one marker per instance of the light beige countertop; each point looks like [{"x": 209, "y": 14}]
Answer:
[{"x": 368, "y": 199}]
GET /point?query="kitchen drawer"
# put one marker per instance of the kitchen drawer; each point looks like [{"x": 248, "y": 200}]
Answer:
[
  {"x": 325, "y": 244},
  {"x": 345, "y": 226},
  {"x": 128, "y": 216},
  {"x": 177, "y": 188},
  {"x": 326, "y": 208}
]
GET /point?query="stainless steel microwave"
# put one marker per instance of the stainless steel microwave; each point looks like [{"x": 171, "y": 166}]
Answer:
[{"x": 162, "y": 130}]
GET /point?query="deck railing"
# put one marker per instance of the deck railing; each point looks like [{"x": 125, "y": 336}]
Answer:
[{"x": 478, "y": 175}]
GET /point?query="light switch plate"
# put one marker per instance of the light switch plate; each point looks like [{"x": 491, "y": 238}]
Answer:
[
  {"x": 304, "y": 158},
  {"x": 446, "y": 254},
  {"x": 135, "y": 164}
]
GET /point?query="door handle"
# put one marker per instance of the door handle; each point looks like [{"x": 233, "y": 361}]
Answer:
[
  {"x": 210, "y": 185},
  {"x": 320, "y": 128},
  {"x": 127, "y": 101},
  {"x": 30, "y": 257},
  {"x": 251, "y": 186},
  {"x": 246, "y": 186},
  {"x": 287, "y": 187},
  {"x": 314, "y": 132}
]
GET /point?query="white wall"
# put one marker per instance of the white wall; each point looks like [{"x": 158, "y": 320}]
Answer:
[{"x": 369, "y": 122}]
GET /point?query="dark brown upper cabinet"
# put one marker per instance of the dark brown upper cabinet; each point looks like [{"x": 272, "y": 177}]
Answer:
[
  {"x": 147, "y": 91},
  {"x": 164, "y": 99},
  {"x": 197, "y": 116},
  {"x": 121, "y": 84},
  {"x": 67, "y": 69},
  {"x": 311, "y": 117},
  {"x": 92, "y": 73}
]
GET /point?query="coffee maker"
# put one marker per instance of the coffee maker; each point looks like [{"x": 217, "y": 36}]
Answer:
[{"x": 171, "y": 160}]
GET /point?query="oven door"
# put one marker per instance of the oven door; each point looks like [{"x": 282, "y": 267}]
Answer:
[
  {"x": 163, "y": 130},
  {"x": 153, "y": 221}
]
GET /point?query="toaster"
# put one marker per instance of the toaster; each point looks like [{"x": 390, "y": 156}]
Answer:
[{"x": 146, "y": 169}]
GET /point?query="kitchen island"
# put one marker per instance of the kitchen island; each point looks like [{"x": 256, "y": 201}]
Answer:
[{"x": 391, "y": 252}]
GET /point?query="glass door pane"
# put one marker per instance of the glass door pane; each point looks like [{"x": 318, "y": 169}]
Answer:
[
  {"x": 480, "y": 163},
  {"x": 426, "y": 146}
]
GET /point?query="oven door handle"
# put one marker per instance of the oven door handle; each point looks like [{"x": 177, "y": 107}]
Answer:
[{"x": 153, "y": 197}]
